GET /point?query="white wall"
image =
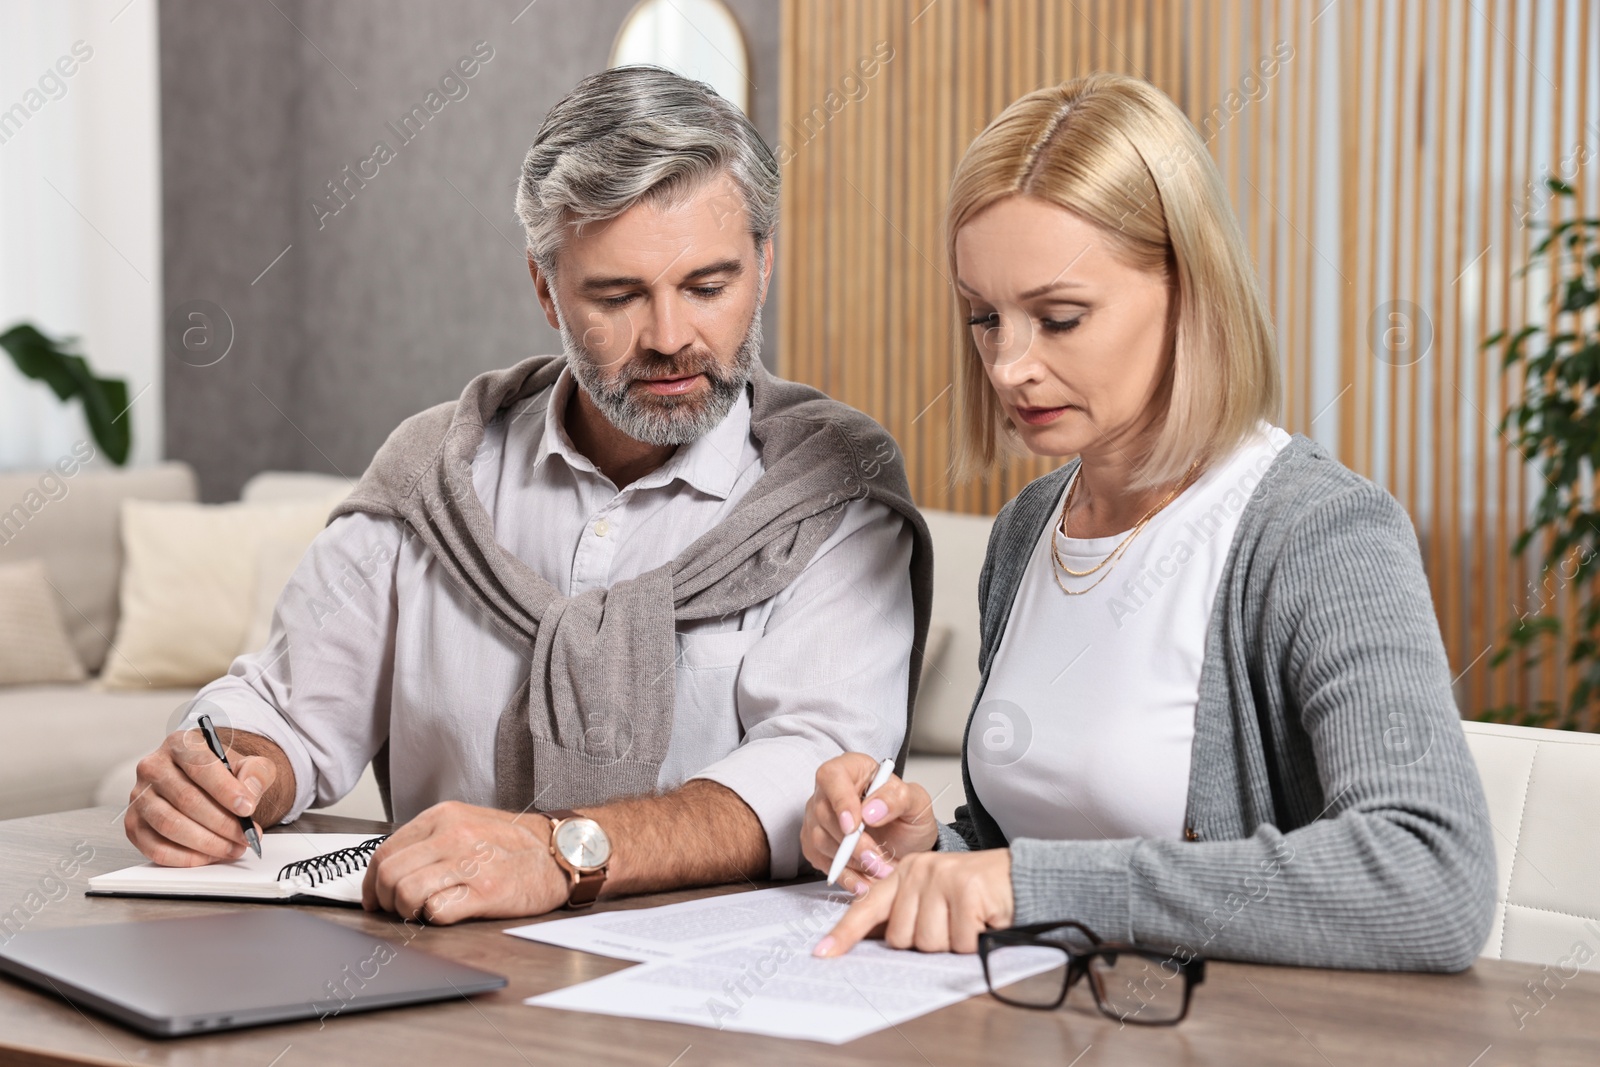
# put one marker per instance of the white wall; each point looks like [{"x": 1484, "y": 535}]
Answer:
[{"x": 80, "y": 211}]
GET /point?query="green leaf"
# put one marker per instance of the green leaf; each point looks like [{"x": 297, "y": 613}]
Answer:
[
  {"x": 36, "y": 356},
  {"x": 105, "y": 408},
  {"x": 1578, "y": 296},
  {"x": 105, "y": 400}
]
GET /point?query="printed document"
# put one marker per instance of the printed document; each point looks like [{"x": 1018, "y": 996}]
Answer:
[{"x": 743, "y": 962}]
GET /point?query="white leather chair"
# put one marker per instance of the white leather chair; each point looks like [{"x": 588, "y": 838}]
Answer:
[{"x": 1543, "y": 788}]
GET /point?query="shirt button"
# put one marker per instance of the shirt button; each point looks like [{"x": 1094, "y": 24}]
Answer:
[{"x": 602, "y": 528}]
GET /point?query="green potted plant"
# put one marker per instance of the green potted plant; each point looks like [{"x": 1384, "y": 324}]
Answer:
[
  {"x": 1556, "y": 424},
  {"x": 105, "y": 400}
]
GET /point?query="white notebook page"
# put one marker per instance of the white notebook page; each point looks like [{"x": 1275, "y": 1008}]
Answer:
[{"x": 246, "y": 876}]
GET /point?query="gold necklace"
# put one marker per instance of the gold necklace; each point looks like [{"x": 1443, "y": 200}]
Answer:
[
  {"x": 1066, "y": 509},
  {"x": 1122, "y": 547}
]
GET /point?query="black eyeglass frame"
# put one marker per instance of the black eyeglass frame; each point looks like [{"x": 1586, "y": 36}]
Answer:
[{"x": 1193, "y": 971}]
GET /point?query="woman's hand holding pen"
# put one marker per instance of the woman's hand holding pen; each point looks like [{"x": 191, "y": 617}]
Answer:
[
  {"x": 898, "y": 817},
  {"x": 917, "y": 898}
]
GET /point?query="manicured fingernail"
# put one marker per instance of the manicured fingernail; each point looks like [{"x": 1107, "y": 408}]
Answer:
[
  {"x": 860, "y": 889},
  {"x": 243, "y": 806},
  {"x": 824, "y": 947},
  {"x": 875, "y": 865},
  {"x": 875, "y": 810},
  {"x": 846, "y": 821}
]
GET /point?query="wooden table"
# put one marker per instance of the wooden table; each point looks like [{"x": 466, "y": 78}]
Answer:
[{"x": 1243, "y": 1014}]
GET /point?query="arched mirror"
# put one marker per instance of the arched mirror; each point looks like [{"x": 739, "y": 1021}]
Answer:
[{"x": 699, "y": 39}]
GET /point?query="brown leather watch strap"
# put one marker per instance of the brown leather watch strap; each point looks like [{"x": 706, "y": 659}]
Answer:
[
  {"x": 585, "y": 884},
  {"x": 585, "y": 888}
]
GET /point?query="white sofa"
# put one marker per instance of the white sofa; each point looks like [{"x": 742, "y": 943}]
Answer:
[
  {"x": 60, "y": 739},
  {"x": 69, "y": 746}
]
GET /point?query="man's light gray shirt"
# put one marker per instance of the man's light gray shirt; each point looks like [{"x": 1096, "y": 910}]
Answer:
[{"x": 370, "y": 640}]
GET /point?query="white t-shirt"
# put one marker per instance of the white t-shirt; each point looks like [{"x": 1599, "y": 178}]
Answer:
[{"x": 1086, "y": 724}]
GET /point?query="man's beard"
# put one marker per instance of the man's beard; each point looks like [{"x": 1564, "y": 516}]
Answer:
[{"x": 665, "y": 420}]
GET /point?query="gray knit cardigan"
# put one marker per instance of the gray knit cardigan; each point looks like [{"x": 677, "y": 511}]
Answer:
[{"x": 1335, "y": 817}]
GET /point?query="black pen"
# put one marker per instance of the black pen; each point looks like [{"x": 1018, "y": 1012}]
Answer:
[{"x": 215, "y": 742}]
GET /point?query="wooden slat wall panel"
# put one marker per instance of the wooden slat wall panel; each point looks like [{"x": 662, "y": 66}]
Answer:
[{"x": 1446, "y": 115}]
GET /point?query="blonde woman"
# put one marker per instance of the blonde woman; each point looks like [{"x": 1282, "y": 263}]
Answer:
[{"x": 1215, "y": 716}]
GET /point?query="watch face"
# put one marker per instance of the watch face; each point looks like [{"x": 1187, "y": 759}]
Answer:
[{"x": 583, "y": 844}]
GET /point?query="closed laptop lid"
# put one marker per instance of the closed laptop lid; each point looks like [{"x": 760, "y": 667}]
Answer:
[{"x": 203, "y": 973}]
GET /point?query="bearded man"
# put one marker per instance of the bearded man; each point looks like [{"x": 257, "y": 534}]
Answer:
[{"x": 596, "y": 623}]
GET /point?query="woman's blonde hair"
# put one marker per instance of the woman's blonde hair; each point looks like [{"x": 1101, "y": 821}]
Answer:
[{"x": 1116, "y": 152}]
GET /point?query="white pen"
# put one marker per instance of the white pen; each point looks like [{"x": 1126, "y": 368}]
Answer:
[{"x": 848, "y": 845}]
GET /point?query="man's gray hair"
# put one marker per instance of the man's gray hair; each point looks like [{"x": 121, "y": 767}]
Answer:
[{"x": 637, "y": 132}]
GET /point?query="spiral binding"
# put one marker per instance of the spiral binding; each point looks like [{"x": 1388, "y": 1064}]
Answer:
[{"x": 331, "y": 865}]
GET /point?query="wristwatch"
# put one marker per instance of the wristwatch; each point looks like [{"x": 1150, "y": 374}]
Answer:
[{"x": 583, "y": 850}]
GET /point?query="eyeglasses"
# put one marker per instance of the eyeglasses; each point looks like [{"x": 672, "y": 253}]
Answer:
[{"x": 1034, "y": 967}]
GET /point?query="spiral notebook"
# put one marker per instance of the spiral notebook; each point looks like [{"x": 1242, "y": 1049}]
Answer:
[{"x": 293, "y": 868}]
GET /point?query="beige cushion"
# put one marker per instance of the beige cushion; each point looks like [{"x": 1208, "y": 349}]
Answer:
[
  {"x": 277, "y": 557},
  {"x": 276, "y": 487},
  {"x": 72, "y": 522},
  {"x": 189, "y": 585},
  {"x": 34, "y": 646},
  {"x": 276, "y": 560}
]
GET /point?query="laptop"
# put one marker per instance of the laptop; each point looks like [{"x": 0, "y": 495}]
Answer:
[{"x": 204, "y": 973}]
